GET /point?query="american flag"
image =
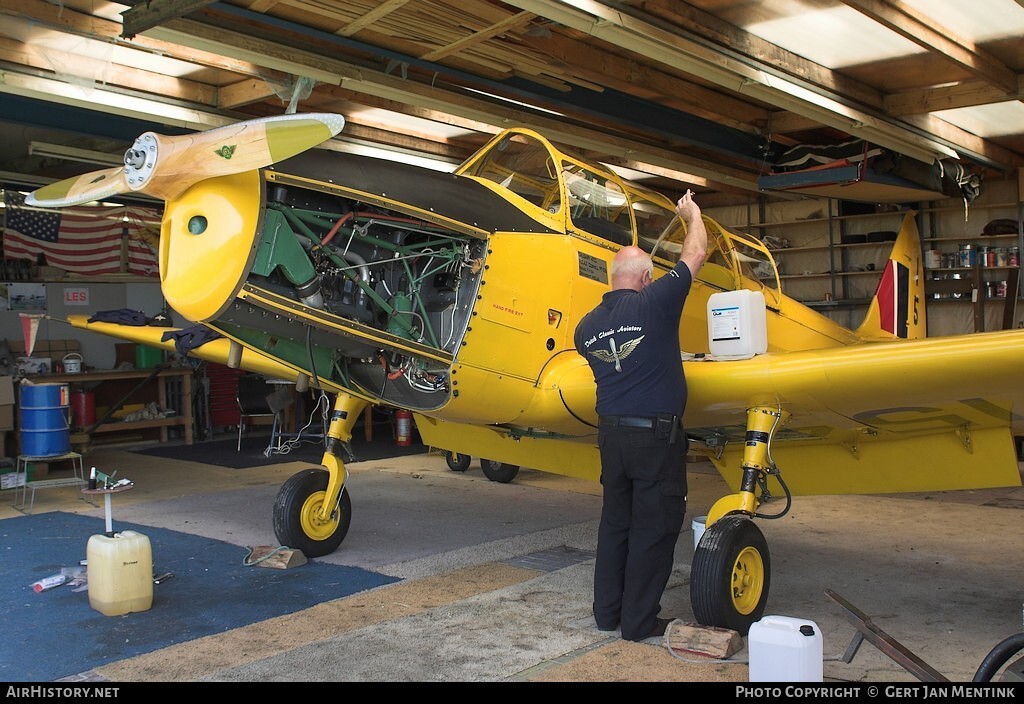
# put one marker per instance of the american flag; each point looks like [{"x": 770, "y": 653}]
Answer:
[{"x": 88, "y": 240}]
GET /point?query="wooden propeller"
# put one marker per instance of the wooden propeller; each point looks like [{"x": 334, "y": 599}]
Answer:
[{"x": 164, "y": 167}]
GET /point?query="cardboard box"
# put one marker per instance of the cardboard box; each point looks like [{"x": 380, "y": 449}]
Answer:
[
  {"x": 10, "y": 479},
  {"x": 6, "y": 390},
  {"x": 29, "y": 366},
  {"x": 6, "y": 418}
]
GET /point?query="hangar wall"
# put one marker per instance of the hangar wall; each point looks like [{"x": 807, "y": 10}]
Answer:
[{"x": 824, "y": 260}]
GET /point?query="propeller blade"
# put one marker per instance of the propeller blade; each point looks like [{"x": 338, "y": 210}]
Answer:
[
  {"x": 164, "y": 167},
  {"x": 95, "y": 185}
]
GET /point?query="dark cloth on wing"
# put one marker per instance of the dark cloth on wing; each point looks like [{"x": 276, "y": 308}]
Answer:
[
  {"x": 189, "y": 338},
  {"x": 123, "y": 316}
]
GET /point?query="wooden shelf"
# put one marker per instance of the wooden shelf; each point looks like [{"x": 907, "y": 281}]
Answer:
[
  {"x": 184, "y": 418},
  {"x": 967, "y": 288},
  {"x": 140, "y": 425}
]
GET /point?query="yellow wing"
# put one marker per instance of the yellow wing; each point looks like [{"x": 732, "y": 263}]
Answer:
[{"x": 873, "y": 417}]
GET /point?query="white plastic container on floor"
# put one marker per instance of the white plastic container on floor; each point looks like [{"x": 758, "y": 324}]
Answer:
[
  {"x": 785, "y": 649},
  {"x": 698, "y": 529},
  {"x": 737, "y": 324},
  {"x": 120, "y": 573}
]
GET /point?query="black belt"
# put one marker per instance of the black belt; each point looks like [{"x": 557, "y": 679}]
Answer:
[
  {"x": 635, "y": 421},
  {"x": 664, "y": 427}
]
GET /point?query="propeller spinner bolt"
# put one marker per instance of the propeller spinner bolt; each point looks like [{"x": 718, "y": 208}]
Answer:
[
  {"x": 134, "y": 158},
  {"x": 140, "y": 160}
]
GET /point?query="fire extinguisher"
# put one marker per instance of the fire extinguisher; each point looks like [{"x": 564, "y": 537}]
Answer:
[{"x": 403, "y": 424}]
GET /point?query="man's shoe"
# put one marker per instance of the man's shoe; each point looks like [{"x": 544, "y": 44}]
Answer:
[
  {"x": 660, "y": 626},
  {"x": 657, "y": 631},
  {"x": 608, "y": 627}
]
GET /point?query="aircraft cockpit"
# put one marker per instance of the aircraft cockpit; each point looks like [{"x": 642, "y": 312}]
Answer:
[
  {"x": 563, "y": 191},
  {"x": 573, "y": 196}
]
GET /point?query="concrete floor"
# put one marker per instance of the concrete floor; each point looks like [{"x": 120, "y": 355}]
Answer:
[{"x": 496, "y": 578}]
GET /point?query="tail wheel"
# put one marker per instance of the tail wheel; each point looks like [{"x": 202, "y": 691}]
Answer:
[
  {"x": 499, "y": 471},
  {"x": 730, "y": 575},
  {"x": 297, "y": 522},
  {"x": 457, "y": 462}
]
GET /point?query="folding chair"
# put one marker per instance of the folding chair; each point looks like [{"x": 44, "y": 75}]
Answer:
[{"x": 254, "y": 406}]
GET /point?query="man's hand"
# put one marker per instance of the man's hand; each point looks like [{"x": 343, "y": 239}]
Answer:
[
  {"x": 687, "y": 209},
  {"x": 695, "y": 246}
]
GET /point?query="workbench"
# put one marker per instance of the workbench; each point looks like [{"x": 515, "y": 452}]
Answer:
[{"x": 92, "y": 378}]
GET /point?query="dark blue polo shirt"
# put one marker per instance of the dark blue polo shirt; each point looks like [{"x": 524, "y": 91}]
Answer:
[{"x": 631, "y": 341}]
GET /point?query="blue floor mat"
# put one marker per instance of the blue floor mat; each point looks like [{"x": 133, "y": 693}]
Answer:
[{"x": 56, "y": 633}]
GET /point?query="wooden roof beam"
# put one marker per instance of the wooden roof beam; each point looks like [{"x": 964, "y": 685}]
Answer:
[
  {"x": 148, "y": 14},
  {"x": 960, "y": 95},
  {"x": 932, "y": 36}
]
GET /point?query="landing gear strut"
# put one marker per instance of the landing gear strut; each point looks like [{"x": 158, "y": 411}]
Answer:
[
  {"x": 313, "y": 509},
  {"x": 731, "y": 571}
]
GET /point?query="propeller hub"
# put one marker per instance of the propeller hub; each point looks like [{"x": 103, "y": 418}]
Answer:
[
  {"x": 134, "y": 158},
  {"x": 140, "y": 160}
]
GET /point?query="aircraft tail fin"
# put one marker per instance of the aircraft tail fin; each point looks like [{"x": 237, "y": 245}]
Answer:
[{"x": 897, "y": 309}]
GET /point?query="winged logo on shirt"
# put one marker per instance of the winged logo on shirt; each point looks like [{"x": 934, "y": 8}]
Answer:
[{"x": 619, "y": 354}]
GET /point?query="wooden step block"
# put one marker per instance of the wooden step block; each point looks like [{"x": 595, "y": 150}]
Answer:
[
  {"x": 277, "y": 558},
  {"x": 703, "y": 640}
]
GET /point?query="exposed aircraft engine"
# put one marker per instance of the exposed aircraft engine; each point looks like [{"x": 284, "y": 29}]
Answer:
[{"x": 411, "y": 281}]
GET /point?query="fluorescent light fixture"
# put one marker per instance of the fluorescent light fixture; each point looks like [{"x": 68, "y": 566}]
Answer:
[
  {"x": 399, "y": 155},
  {"x": 60, "y": 151},
  {"x": 512, "y": 101}
]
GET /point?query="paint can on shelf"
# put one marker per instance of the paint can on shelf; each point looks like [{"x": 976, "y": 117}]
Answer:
[
  {"x": 72, "y": 363},
  {"x": 966, "y": 256}
]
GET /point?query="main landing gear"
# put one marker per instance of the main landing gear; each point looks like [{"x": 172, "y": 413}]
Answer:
[
  {"x": 731, "y": 572},
  {"x": 500, "y": 472}
]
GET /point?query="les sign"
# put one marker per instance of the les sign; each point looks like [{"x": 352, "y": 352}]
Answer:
[{"x": 76, "y": 296}]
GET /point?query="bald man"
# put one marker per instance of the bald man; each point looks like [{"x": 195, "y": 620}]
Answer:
[{"x": 631, "y": 341}]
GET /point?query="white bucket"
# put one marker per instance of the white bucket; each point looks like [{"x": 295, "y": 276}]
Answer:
[
  {"x": 698, "y": 529},
  {"x": 72, "y": 363}
]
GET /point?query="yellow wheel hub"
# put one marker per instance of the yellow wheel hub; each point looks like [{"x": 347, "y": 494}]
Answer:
[
  {"x": 747, "y": 580},
  {"x": 315, "y": 527}
]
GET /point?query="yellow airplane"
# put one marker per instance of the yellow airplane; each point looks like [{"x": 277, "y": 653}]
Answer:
[{"x": 455, "y": 296}]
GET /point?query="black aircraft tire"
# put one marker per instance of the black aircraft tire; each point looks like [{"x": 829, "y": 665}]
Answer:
[
  {"x": 296, "y": 523},
  {"x": 730, "y": 575},
  {"x": 499, "y": 471},
  {"x": 457, "y": 462}
]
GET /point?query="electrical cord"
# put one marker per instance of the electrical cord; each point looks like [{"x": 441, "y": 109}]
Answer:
[
  {"x": 322, "y": 406},
  {"x": 249, "y": 563}
]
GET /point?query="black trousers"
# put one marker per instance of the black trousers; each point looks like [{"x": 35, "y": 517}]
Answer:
[{"x": 644, "y": 480}]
